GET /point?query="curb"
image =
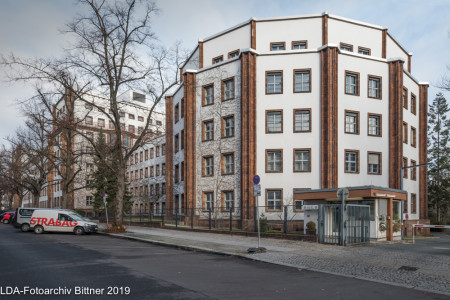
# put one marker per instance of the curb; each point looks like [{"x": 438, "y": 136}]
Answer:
[{"x": 225, "y": 253}]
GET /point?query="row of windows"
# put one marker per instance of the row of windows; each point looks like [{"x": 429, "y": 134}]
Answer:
[
  {"x": 227, "y": 164},
  {"x": 227, "y": 128},
  {"x": 179, "y": 172},
  {"x": 295, "y": 45},
  {"x": 227, "y": 93},
  {"x": 231, "y": 54},
  {"x": 158, "y": 170},
  {"x": 349, "y": 48},
  {"x": 413, "y": 101},
  {"x": 139, "y": 157},
  {"x": 226, "y": 201},
  {"x": 144, "y": 190}
]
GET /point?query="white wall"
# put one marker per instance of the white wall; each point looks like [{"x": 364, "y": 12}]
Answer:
[
  {"x": 287, "y": 31},
  {"x": 393, "y": 50}
]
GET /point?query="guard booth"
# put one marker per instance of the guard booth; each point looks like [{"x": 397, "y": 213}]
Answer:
[
  {"x": 354, "y": 230},
  {"x": 370, "y": 213}
]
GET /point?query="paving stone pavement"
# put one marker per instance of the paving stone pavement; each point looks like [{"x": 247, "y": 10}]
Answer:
[{"x": 365, "y": 262}]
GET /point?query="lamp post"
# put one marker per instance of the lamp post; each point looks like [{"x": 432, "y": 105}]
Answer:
[{"x": 401, "y": 186}]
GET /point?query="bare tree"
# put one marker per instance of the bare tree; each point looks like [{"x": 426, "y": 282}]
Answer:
[{"x": 105, "y": 59}]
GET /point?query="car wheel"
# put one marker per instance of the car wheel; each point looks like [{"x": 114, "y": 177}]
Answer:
[
  {"x": 78, "y": 230},
  {"x": 25, "y": 227},
  {"x": 38, "y": 229}
]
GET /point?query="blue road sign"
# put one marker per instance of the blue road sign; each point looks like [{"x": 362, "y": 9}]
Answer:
[{"x": 256, "y": 179}]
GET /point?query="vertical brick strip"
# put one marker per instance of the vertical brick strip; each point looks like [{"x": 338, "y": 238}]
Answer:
[
  {"x": 253, "y": 34},
  {"x": 200, "y": 54},
  {"x": 409, "y": 62},
  {"x": 383, "y": 43},
  {"x": 190, "y": 140},
  {"x": 324, "y": 30},
  {"x": 169, "y": 155},
  {"x": 329, "y": 118},
  {"x": 395, "y": 122},
  {"x": 248, "y": 133},
  {"x": 423, "y": 152}
]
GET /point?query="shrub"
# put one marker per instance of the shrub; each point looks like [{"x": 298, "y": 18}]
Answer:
[
  {"x": 263, "y": 223},
  {"x": 311, "y": 226}
]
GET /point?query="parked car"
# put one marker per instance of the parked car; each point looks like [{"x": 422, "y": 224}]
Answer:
[
  {"x": 8, "y": 217},
  {"x": 22, "y": 218},
  {"x": 60, "y": 220}
]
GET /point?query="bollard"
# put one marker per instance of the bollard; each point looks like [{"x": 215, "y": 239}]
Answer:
[
  {"x": 192, "y": 218},
  {"x": 285, "y": 219},
  {"x": 209, "y": 217},
  {"x": 176, "y": 218},
  {"x": 231, "y": 218}
]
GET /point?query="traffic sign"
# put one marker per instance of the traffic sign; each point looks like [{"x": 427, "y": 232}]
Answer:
[
  {"x": 406, "y": 217},
  {"x": 342, "y": 193},
  {"x": 104, "y": 197},
  {"x": 256, "y": 179},
  {"x": 257, "y": 190}
]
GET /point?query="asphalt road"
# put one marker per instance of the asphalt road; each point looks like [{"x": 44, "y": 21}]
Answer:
[{"x": 72, "y": 262}]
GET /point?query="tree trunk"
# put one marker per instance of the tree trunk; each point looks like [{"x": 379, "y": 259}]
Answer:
[
  {"x": 36, "y": 199},
  {"x": 118, "y": 218},
  {"x": 64, "y": 199}
]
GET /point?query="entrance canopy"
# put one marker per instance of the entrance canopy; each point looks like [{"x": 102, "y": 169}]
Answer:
[{"x": 355, "y": 193}]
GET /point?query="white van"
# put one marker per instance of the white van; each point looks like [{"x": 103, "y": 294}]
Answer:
[{"x": 60, "y": 220}]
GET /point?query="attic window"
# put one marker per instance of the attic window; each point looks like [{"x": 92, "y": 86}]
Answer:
[{"x": 138, "y": 97}]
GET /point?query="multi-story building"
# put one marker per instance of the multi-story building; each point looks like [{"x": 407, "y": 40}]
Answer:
[
  {"x": 134, "y": 108},
  {"x": 147, "y": 177},
  {"x": 309, "y": 103}
]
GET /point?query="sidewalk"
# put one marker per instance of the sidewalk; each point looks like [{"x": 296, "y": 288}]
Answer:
[{"x": 374, "y": 263}]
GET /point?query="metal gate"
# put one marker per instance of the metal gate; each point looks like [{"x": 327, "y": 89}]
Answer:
[{"x": 354, "y": 230}]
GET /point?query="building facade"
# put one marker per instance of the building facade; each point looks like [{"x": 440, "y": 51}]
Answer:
[{"x": 310, "y": 104}]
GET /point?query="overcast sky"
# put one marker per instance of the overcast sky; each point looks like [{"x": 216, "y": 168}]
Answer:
[{"x": 30, "y": 28}]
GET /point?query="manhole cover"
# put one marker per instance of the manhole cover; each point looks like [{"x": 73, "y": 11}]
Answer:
[{"x": 406, "y": 268}]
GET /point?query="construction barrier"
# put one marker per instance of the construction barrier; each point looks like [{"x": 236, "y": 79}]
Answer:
[{"x": 428, "y": 226}]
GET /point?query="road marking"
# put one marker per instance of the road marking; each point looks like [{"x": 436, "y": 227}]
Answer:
[{"x": 441, "y": 248}]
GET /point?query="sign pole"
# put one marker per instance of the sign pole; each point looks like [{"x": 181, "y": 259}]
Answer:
[
  {"x": 257, "y": 193},
  {"x": 106, "y": 208},
  {"x": 257, "y": 220}
]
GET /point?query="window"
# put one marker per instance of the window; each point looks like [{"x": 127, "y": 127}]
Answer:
[
  {"x": 182, "y": 141},
  {"x": 405, "y": 132},
  {"x": 131, "y": 116},
  {"x": 208, "y": 166},
  {"x": 146, "y": 154},
  {"x": 228, "y": 200},
  {"x": 131, "y": 128},
  {"x": 228, "y": 89},
  {"x": 89, "y": 120},
  {"x": 374, "y": 163},
  {"x": 152, "y": 171},
  {"x": 274, "y": 161},
  {"x": 208, "y": 130},
  {"x": 217, "y": 59},
  {"x": 352, "y": 83},
  {"x": 89, "y": 181},
  {"x": 141, "y": 173},
  {"x": 413, "y": 137},
  {"x": 413, "y": 203},
  {"x": 228, "y": 163},
  {"x": 233, "y": 54},
  {"x": 413, "y": 104},
  {"x": 163, "y": 146},
  {"x": 157, "y": 151},
  {"x": 405, "y": 98},
  {"x": 140, "y": 129},
  {"x": 302, "y": 160},
  {"x": 296, "y": 45},
  {"x": 182, "y": 171},
  {"x": 302, "y": 120},
  {"x": 374, "y": 87},
  {"x": 374, "y": 125},
  {"x": 141, "y": 156},
  {"x": 89, "y": 200},
  {"x": 413, "y": 170},
  {"x": 302, "y": 81},
  {"x": 176, "y": 175},
  {"x": 351, "y": 161},
  {"x": 88, "y": 106},
  {"x": 277, "y": 46},
  {"x": 364, "y": 51},
  {"x": 351, "y": 122},
  {"x": 176, "y": 112},
  {"x": 273, "y": 199},
  {"x": 177, "y": 142},
  {"x": 274, "y": 82},
  {"x": 89, "y": 167},
  {"x": 274, "y": 121},
  {"x": 101, "y": 123},
  {"x": 157, "y": 170},
  {"x": 182, "y": 108},
  {"x": 163, "y": 188},
  {"x": 208, "y": 200},
  {"x": 141, "y": 119},
  {"x": 346, "y": 47},
  {"x": 208, "y": 95},
  {"x": 228, "y": 126},
  {"x": 146, "y": 172},
  {"x": 405, "y": 165},
  {"x": 163, "y": 169},
  {"x": 151, "y": 153},
  {"x": 121, "y": 114}
]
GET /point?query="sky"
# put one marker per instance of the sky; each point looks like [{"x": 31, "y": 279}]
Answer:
[{"x": 31, "y": 28}]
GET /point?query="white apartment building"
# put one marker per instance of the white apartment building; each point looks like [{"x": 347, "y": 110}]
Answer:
[
  {"x": 134, "y": 108},
  {"x": 309, "y": 103},
  {"x": 147, "y": 177}
]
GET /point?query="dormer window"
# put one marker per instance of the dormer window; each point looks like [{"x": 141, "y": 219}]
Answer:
[
  {"x": 277, "y": 46},
  {"x": 217, "y": 59}
]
